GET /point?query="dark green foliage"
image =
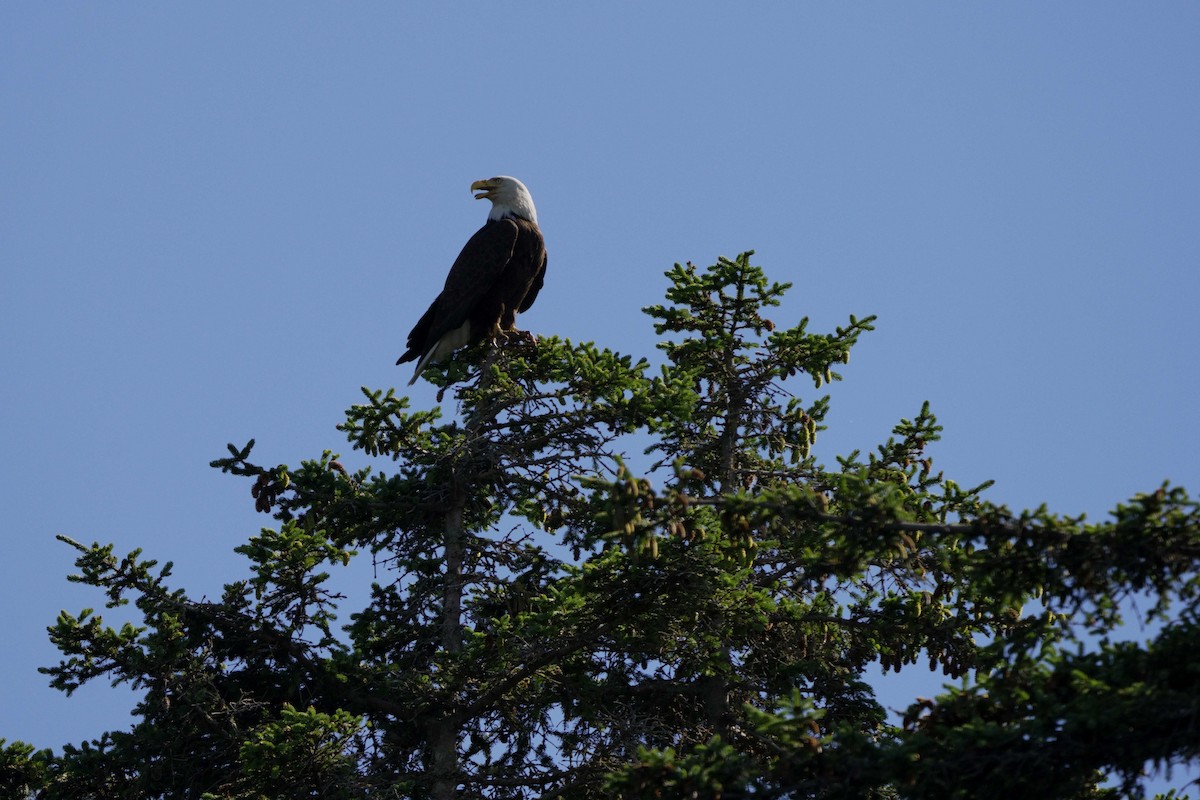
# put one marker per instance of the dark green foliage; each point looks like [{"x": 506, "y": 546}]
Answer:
[{"x": 550, "y": 622}]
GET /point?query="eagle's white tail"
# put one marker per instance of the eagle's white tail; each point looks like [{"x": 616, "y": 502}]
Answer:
[{"x": 450, "y": 341}]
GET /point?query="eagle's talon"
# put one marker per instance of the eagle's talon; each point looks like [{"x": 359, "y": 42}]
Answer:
[{"x": 519, "y": 338}]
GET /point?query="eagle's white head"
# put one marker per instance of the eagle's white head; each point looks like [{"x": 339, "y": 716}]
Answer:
[{"x": 509, "y": 198}]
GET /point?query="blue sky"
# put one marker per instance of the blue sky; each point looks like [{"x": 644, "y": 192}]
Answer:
[{"x": 219, "y": 220}]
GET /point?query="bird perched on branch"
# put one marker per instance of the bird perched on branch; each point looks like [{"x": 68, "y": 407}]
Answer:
[{"x": 497, "y": 275}]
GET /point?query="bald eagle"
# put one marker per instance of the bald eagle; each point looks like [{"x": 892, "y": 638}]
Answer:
[{"x": 497, "y": 275}]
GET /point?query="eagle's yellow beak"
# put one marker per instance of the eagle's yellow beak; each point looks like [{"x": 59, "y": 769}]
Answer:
[{"x": 485, "y": 187}]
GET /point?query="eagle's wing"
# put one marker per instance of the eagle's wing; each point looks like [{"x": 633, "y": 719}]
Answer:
[
  {"x": 534, "y": 287},
  {"x": 482, "y": 260}
]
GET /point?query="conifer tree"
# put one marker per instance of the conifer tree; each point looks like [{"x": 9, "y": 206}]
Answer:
[{"x": 549, "y": 620}]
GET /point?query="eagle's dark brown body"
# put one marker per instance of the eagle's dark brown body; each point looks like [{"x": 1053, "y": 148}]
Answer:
[{"x": 497, "y": 275}]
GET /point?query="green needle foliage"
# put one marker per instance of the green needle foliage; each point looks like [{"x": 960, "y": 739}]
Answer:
[{"x": 549, "y": 622}]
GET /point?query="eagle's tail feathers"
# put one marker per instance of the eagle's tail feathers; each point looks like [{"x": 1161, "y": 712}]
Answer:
[{"x": 450, "y": 341}]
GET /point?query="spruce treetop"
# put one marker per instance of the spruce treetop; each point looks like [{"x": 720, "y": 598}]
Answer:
[{"x": 546, "y": 622}]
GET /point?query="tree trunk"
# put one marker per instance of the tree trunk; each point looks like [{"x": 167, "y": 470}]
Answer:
[{"x": 443, "y": 733}]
